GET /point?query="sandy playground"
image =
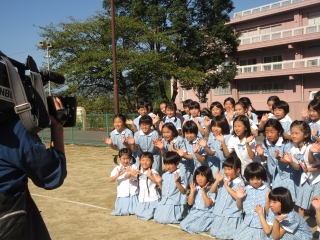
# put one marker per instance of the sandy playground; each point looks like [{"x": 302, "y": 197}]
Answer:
[{"x": 80, "y": 208}]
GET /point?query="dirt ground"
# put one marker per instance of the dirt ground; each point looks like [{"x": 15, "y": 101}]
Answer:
[{"x": 80, "y": 208}]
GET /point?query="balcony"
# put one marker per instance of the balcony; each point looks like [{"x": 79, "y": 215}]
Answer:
[
  {"x": 270, "y": 10},
  {"x": 291, "y": 67},
  {"x": 288, "y": 36},
  {"x": 265, "y": 7},
  {"x": 294, "y": 32}
]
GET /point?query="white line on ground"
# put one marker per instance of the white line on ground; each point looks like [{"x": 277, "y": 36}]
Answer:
[{"x": 94, "y": 206}]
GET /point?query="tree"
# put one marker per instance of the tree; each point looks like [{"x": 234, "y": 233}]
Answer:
[
  {"x": 83, "y": 53},
  {"x": 199, "y": 39}
]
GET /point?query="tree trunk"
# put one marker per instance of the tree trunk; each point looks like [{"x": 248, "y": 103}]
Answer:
[{"x": 174, "y": 89}]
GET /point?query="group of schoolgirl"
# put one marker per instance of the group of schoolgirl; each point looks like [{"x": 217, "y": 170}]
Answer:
[{"x": 286, "y": 160}]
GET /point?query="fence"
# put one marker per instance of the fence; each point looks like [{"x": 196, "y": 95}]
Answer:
[{"x": 90, "y": 129}]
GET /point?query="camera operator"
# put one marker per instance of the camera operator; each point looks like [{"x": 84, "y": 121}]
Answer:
[{"x": 23, "y": 156}]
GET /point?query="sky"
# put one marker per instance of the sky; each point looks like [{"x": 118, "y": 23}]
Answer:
[{"x": 19, "y": 31}]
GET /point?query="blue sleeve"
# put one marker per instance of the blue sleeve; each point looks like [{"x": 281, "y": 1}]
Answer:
[{"x": 45, "y": 167}]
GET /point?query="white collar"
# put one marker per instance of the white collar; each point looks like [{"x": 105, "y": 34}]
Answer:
[
  {"x": 236, "y": 180},
  {"x": 149, "y": 134},
  {"x": 117, "y": 133},
  {"x": 172, "y": 118},
  {"x": 260, "y": 188},
  {"x": 278, "y": 143}
]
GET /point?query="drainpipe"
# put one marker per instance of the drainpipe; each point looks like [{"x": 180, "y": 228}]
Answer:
[{"x": 302, "y": 95}]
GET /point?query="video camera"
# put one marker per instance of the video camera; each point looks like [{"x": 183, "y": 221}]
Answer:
[{"x": 24, "y": 95}]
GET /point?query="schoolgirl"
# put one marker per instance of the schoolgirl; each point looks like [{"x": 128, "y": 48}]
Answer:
[
  {"x": 314, "y": 116},
  {"x": 148, "y": 182},
  {"x": 172, "y": 207},
  {"x": 303, "y": 152},
  {"x": 241, "y": 142},
  {"x": 219, "y": 134},
  {"x": 241, "y": 108},
  {"x": 195, "y": 155},
  {"x": 127, "y": 189},
  {"x": 280, "y": 111},
  {"x": 250, "y": 111},
  {"x": 226, "y": 216},
  {"x": 143, "y": 142},
  {"x": 283, "y": 222},
  {"x": 194, "y": 109},
  {"x": 229, "y": 104},
  {"x": 247, "y": 198},
  {"x": 171, "y": 110},
  {"x": 200, "y": 217},
  {"x": 120, "y": 133},
  {"x": 216, "y": 109}
]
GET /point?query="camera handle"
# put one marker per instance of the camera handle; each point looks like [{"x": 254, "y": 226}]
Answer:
[{"x": 22, "y": 106}]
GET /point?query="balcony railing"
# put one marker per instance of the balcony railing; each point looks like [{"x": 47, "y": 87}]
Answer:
[
  {"x": 266, "y": 7},
  {"x": 285, "y": 65},
  {"x": 293, "y": 32}
]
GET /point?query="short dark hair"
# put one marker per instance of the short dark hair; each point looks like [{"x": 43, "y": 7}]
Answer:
[
  {"x": 147, "y": 155},
  {"x": 315, "y": 105},
  {"x": 275, "y": 123},
  {"x": 282, "y": 195},
  {"x": 221, "y": 122},
  {"x": 142, "y": 105},
  {"x": 229, "y": 99},
  {"x": 190, "y": 127},
  {"x": 187, "y": 102},
  {"x": 217, "y": 105},
  {"x": 255, "y": 169},
  {"x": 281, "y": 105},
  {"x": 273, "y": 99},
  {"x": 205, "y": 171},
  {"x": 194, "y": 105},
  {"x": 305, "y": 128},
  {"x": 171, "y": 127},
  {"x": 146, "y": 119},
  {"x": 171, "y": 158},
  {"x": 245, "y": 120},
  {"x": 124, "y": 151},
  {"x": 232, "y": 162}
]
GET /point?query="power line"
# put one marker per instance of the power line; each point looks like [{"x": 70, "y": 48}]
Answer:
[{"x": 22, "y": 52}]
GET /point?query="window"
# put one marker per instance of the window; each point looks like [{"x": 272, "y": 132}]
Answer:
[
  {"x": 222, "y": 91},
  {"x": 275, "y": 28},
  {"x": 249, "y": 88},
  {"x": 272, "y": 87},
  {"x": 272, "y": 59},
  {"x": 314, "y": 18},
  {"x": 249, "y": 33},
  {"x": 246, "y": 62},
  {"x": 184, "y": 94}
]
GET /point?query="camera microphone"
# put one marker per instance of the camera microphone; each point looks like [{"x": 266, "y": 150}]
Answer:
[{"x": 52, "y": 76}]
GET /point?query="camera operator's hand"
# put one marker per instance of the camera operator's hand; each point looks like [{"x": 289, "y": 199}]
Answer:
[{"x": 57, "y": 128}]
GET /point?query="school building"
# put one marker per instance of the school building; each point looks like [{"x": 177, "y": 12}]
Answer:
[{"x": 279, "y": 54}]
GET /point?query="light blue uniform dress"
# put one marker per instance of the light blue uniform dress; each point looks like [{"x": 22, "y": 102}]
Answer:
[
  {"x": 116, "y": 137},
  {"x": 310, "y": 181},
  {"x": 145, "y": 144},
  {"x": 136, "y": 122},
  {"x": 271, "y": 165},
  {"x": 296, "y": 227},
  {"x": 312, "y": 126},
  {"x": 215, "y": 162},
  {"x": 286, "y": 123},
  {"x": 178, "y": 143},
  {"x": 251, "y": 227},
  {"x": 286, "y": 176},
  {"x": 172, "y": 207},
  {"x": 254, "y": 118},
  {"x": 200, "y": 216},
  {"x": 148, "y": 197},
  {"x": 191, "y": 166},
  {"x": 127, "y": 193},
  {"x": 175, "y": 121},
  {"x": 226, "y": 215},
  {"x": 201, "y": 123}
]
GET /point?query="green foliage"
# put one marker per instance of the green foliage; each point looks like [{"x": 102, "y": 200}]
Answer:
[{"x": 157, "y": 40}]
